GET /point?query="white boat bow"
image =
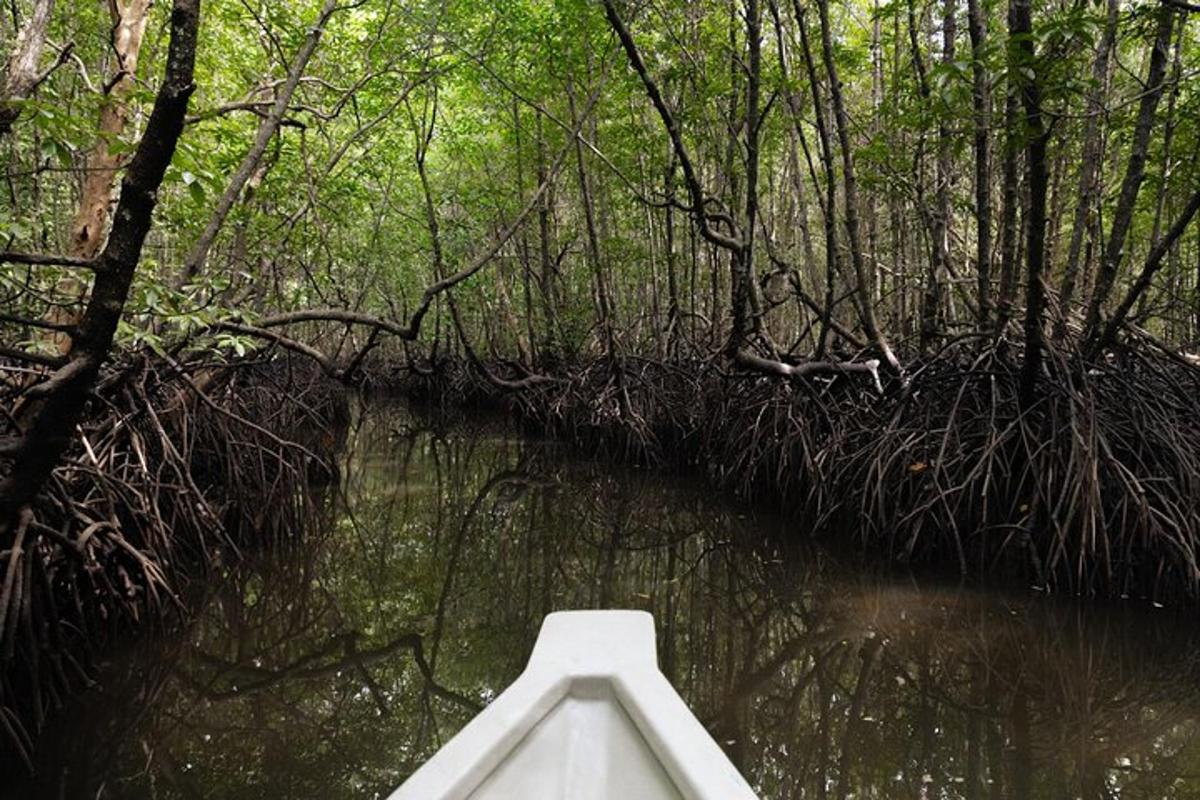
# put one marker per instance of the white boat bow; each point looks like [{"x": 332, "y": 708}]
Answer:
[{"x": 590, "y": 718}]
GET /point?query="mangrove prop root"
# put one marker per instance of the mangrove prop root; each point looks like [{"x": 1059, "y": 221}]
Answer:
[
  {"x": 179, "y": 467},
  {"x": 1092, "y": 489}
]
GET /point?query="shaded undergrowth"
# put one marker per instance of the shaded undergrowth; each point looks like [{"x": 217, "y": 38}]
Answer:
[{"x": 1092, "y": 487}]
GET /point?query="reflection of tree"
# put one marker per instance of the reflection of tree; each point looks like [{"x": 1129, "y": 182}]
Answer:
[
  {"x": 333, "y": 671},
  {"x": 971, "y": 701},
  {"x": 319, "y": 664}
]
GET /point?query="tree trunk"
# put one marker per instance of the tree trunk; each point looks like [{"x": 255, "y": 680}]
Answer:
[
  {"x": 603, "y": 310},
  {"x": 826, "y": 155},
  {"x": 23, "y": 74},
  {"x": 930, "y": 298},
  {"x": 797, "y": 141},
  {"x": 1089, "y": 167},
  {"x": 850, "y": 187},
  {"x": 551, "y": 346},
  {"x": 1114, "y": 249},
  {"x": 91, "y": 219},
  {"x": 933, "y": 316},
  {"x": 50, "y": 420},
  {"x": 1021, "y": 29},
  {"x": 1009, "y": 230},
  {"x": 876, "y": 132},
  {"x": 746, "y": 320},
  {"x": 672, "y": 262},
  {"x": 981, "y": 101},
  {"x": 1152, "y": 265},
  {"x": 530, "y": 337},
  {"x": 88, "y": 228},
  {"x": 241, "y": 242},
  {"x": 1169, "y": 125},
  {"x": 194, "y": 262}
]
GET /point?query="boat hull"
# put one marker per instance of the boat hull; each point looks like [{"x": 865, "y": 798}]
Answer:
[{"x": 590, "y": 718}]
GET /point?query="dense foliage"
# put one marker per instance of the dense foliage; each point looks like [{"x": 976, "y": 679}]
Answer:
[{"x": 483, "y": 97}]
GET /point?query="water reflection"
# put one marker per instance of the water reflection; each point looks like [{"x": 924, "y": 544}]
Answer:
[{"x": 331, "y": 671}]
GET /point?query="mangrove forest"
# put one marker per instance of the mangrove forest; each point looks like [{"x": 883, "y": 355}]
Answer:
[{"x": 341, "y": 341}]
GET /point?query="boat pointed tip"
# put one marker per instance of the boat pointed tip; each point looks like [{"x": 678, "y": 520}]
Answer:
[{"x": 597, "y": 640}]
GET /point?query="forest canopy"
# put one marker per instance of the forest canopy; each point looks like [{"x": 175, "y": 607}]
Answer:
[{"x": 327, "y": 146}]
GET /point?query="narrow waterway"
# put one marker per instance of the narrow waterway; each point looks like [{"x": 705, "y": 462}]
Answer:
[{"x": 300, "y": 675}]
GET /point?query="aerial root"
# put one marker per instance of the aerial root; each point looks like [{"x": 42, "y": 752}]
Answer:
[
  {"x": 183, "y": 466},
  {"x": 1093, "y": 488}
]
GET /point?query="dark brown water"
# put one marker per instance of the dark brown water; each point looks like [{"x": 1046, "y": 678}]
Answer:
[{"x": 299, "y": 676}]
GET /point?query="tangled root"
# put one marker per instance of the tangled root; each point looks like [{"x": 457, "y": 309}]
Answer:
[
  {"x": 1092, "y": 488},
  {"x": 181, "y": 466}
]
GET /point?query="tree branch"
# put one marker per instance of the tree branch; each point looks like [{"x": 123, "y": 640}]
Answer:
[
  {"x": 65, "y": 53},
  {"x": 410, "y": 331},
  {"x": 32, "y": 358},
  {"x": 262, "y": 138},
  {"x": 42, "y": 260},
  {"x": 1152, "y": 265},
  {"x": 809, "y": 368},
  {"x": 285, "y": 342},
  {"x": 695, "y": 191}
]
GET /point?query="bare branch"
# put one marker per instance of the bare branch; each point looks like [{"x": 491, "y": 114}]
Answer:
[
  {"x": 32, "y": 358},
  {"x": 283, "y": 341},
  {"x": 42, "y": 260},
  {"x": 810, "y": 368},
  {"x": 1153, "y": 262},
  {"x": 262, "y": 138},
  {"x": 65, "y": 53}
]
